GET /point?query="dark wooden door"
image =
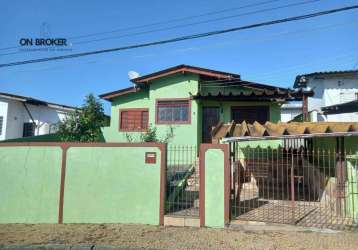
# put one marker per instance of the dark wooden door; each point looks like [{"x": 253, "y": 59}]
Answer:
[
  {"x": 250, "y": 114},
  {"x": 211, "y": 118}
]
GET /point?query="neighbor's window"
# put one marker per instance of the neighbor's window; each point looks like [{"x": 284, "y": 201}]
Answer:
[
  {"x": 170, "y": 112},
  {"x": 134, "y": 120},
  {"x": 29, "y": 129},
  {"x": 1, "y": 123}
]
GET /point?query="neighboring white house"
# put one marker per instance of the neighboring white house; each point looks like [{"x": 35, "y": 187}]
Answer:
[
  {"x": 22, "y": 116},
  {"x": 331, "y": 90},
  {"x": 290, "y": 111}
]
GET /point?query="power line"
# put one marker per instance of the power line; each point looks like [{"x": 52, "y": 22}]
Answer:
[
  {"x": 183, "y": 38},
  {"x": 261, "y": 39},
  {"x": 199, "y": 22},
  {"x": 179, "y": 26},
  {"x": 177, "y": 19},
  {"x": 163, "y": 22}
]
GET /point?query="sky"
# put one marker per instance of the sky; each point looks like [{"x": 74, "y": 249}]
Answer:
[{"x": 273, "y": 54}]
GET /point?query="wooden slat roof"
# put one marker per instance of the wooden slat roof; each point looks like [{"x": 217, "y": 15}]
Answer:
[{"x": 281, "y": 129}]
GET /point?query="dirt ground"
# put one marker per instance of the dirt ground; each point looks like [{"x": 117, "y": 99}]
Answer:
[{"x": 157, "y": 237}]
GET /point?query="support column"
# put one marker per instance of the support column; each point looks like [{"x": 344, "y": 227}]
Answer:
[{"x": 214, "y": 185}]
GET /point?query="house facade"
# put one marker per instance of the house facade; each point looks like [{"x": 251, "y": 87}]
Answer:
[
  {"x": 22, "y": 116},
  {"x": 290, "y": 110},
  {"x": 187, "y": 102},
  {"x": 332, "y": 89}
]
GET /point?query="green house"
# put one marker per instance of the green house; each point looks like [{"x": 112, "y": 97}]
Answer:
[{"x": 187, "y": 102}]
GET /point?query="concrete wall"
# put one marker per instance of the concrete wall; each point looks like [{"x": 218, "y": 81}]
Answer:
[
  {"x": 290, "y": 111},
  {"x": 176, "y": 86},
  {"x": 29, "y": 184},
  {"x": 102, "y": 183},
  {"x": 216, "y": 170},
  {"x": 3, "y": 114},
  {"x": 225, "y": 109},
  {"x": 329, "y": 143},
  {"x": 333, "y": 90},
  {"x": 111, "y": 185}
]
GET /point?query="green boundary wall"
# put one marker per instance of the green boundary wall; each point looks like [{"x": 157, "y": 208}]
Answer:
[
  {"x": 30, "y": 184},
  {"x": 111, "y": 185},
  {"x": 81, "y": 183},
  {"x": 216, "y": 184}
]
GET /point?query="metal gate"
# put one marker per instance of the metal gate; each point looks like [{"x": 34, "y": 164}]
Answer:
[
  {"x": 182, "y": 196},
  {"x": 291, "y": 181}
]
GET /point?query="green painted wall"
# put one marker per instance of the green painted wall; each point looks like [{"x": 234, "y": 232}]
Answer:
[
  {"x": 134, "y": 100},
  {"x": 225, "y": 109},
  {"x": 329, "y": 143},
  {"x": 175, "y": 86},
  {"x": 111, "y": 185},
  {"x": 325, "y": 149},
  {"x": 29, "y": 184},
  {"x": 214, "y": 188}
]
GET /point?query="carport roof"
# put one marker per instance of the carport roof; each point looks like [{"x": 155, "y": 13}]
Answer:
[{"x": 244, "y": 131}]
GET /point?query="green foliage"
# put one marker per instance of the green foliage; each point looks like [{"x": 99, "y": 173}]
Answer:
[
  {"x": 169, "y": 135},
  {"x": 84, "y": 125},
  {"x": 129, "y": 137},
  {"x": 151, "y": 135}
]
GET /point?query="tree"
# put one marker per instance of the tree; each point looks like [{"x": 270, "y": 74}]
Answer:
[{"x": 84, "y": 124}]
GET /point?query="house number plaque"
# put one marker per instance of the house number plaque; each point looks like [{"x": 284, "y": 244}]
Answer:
[{"x": 150, "y": 157}]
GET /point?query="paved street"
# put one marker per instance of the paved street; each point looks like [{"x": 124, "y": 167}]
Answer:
[{"x": 85, "y": 236}]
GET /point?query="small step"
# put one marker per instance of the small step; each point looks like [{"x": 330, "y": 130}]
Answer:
[{"x": 181, "y": 221}]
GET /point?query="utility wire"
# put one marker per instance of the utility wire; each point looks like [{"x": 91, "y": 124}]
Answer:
[
  {"x": 197, "y": 23},
  {"x": 163, "y": 22},
  {"x": 262, "y": 39},
  {"x": 177, "y": 26},
  {"x": 183, "y": 38},
  {"x": 176, "y": 19}
]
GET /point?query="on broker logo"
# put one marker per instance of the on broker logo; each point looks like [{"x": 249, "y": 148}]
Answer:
[{"x": 43, "y": 42}]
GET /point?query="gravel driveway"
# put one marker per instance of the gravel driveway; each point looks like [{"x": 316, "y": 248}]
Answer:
[{"x": 157, "y": 237}]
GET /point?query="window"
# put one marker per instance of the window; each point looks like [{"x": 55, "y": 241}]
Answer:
[
  {"x": 29, "y": 129},
  {"x": 250, "y": 114},
  {"x": 134, "y": 119},
  {"x": 1, "y": 123},
  {"x": 169, "y": 112}
]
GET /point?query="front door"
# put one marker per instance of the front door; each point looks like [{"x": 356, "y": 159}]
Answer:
[{"x": 211, "y": 118}]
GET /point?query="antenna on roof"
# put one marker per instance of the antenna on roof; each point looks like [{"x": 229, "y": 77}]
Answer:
[{"x": 132, "y": 74}]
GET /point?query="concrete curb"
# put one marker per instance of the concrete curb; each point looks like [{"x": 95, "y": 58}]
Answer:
[{"x": 256, "y": 226}]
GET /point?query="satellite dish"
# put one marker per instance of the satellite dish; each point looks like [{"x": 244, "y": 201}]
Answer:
[{"x": 132, "y": 74}]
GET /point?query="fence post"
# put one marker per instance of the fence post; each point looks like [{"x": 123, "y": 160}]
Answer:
[{"x": 214, "y": 184}]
